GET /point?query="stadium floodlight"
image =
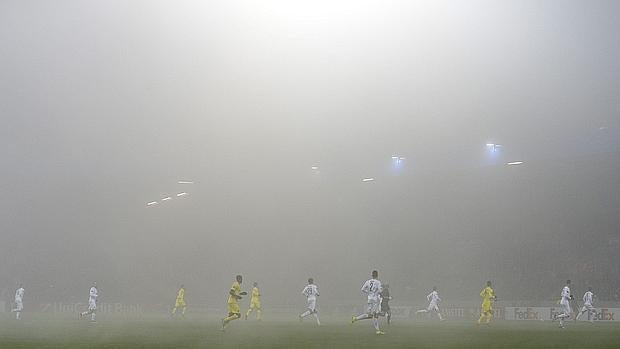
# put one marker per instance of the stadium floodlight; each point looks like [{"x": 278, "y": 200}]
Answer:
[
  {"x": 151, "y": 203},
  {"x": 185, "y": 182},
  {"x": 515, "y": 163},
  {"x": 370, "y": 179},
  {"x": 315, "y": 168},
  {"x": 493, "y": 147},
  {"x": 394, "y": 157},
  {"x": 181, "y": 194},
  {"x": 166, "y": 198}
]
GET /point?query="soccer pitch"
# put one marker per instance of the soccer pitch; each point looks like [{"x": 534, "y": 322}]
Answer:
[{"x": 195, "y": 332}]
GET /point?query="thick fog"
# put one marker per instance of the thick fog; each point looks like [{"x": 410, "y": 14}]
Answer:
[{"x": 106, "y": 105}]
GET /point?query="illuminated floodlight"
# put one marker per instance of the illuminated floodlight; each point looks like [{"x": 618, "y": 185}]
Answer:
[
  {"x": 394, "y": 157},
  {"x": 151, "y": 203},
  {"x": 515, "y": 163},
  {"x": 185, "y": 182},
  {"x": 181, "y": 194},
  {"x": 493, "y": 147},
  {"x": 370, "y": 179},
  {"x": 315, "y": 168},
  {"x": 166, "y": 198}
]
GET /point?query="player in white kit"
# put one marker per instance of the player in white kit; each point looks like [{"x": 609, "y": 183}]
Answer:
[
  {"x": 433, "y": 304},
  {"x": 587, "y": 305},
  {"x": 19, "y": 302},
  {"x": 92, "y": 303},
  {"x": 565, "y": 304},
  {"x": 372, "y": 288},
  {"x": 311, "y": 291}
]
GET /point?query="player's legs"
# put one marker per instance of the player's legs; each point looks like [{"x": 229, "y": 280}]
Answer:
[
  {"x": 234, "y": 313},
  {"x": 486, "y": 314},
  {"x": 483, "y": 314},
  {"x": 253, "y": 306},
  {"x": 316, "y": 317},
  {"x": 581, "y": 312},
  {"x": 311, "y": 307},
  {"x": 566, "y": 312},
  {"x": 19, "y": 306},
  {"x": 437, "y": 311},
  {"x": 374, "y": 310},
  {"x": 365, "y": 316},
  {"x": 247, "y": 313},
  {"x": 259, "y": 315}
]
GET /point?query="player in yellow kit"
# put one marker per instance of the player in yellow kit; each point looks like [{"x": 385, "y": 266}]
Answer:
[
  {"x": 234, "y": 296},
  {"x": 488, "y": 297},
  {"x": 180, "y": 302},
  {"x": 254, "y": 302}
]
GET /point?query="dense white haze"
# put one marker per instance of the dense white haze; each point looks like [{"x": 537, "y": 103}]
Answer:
[{"x": 105, "y": 105}]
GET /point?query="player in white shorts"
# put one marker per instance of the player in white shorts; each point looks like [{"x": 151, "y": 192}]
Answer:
[
  {"x": 92, "y": 303},
  {"x": 565, "y": 304},
  {"x": 372, "y": 288},
  {"x": 19, "y": 302},
  {"x": 311, "y": 291},
  {"x": 433, "y": 304},
  {"x": 587, "y": 305}
]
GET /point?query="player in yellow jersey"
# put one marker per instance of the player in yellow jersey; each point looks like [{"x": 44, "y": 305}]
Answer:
[
  {"x": 180, "y": 302},
  {"x": 488, "y": 297},
  {"x": 254, "y": 302},
  {"x": 234, "y": 296}
]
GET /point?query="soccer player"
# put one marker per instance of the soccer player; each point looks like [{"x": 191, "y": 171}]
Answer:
[
  {"x": 311, "y": 291},
  {"x": 488, "y": 297},
  {"x": 587, "y": 305},
  {"x": 92, "y": 303},
  {"x": 254, "y": 302},
  {"x": 372, "y": 288},
  {"x": 179, "y": 303},
  {"x": 19, "y": 302},
  {"x": 385, "y": 305},
  {"x": 234, "y": 296},
  {"x": 434, "y": 300},
  {"x": 565, "y": 304}
]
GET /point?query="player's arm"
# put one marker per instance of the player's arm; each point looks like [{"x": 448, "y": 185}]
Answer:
[
  {"x": 365, "y": 287},
  {"x": 234, "y": 294}
]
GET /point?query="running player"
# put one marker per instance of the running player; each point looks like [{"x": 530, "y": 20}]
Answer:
[
  {"x": 234, "y": 296},
  {"x": 92, "y": 303},
  {"x": 311, "y": 291},
  {"x": 434, "y": 300},
  {"x": 587, "y": 305},
  {"x": 565, "y": 304},
  {"x": 488, "y": 297},
  {"x": 19, "y": 302},
  {"x": 254, "y": 302},
  {"x": 372, "y": 288},
  {"x": 179, "y": 302}
]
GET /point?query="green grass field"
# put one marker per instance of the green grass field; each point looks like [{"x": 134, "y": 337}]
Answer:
[{"x": 155, "y": 332}]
